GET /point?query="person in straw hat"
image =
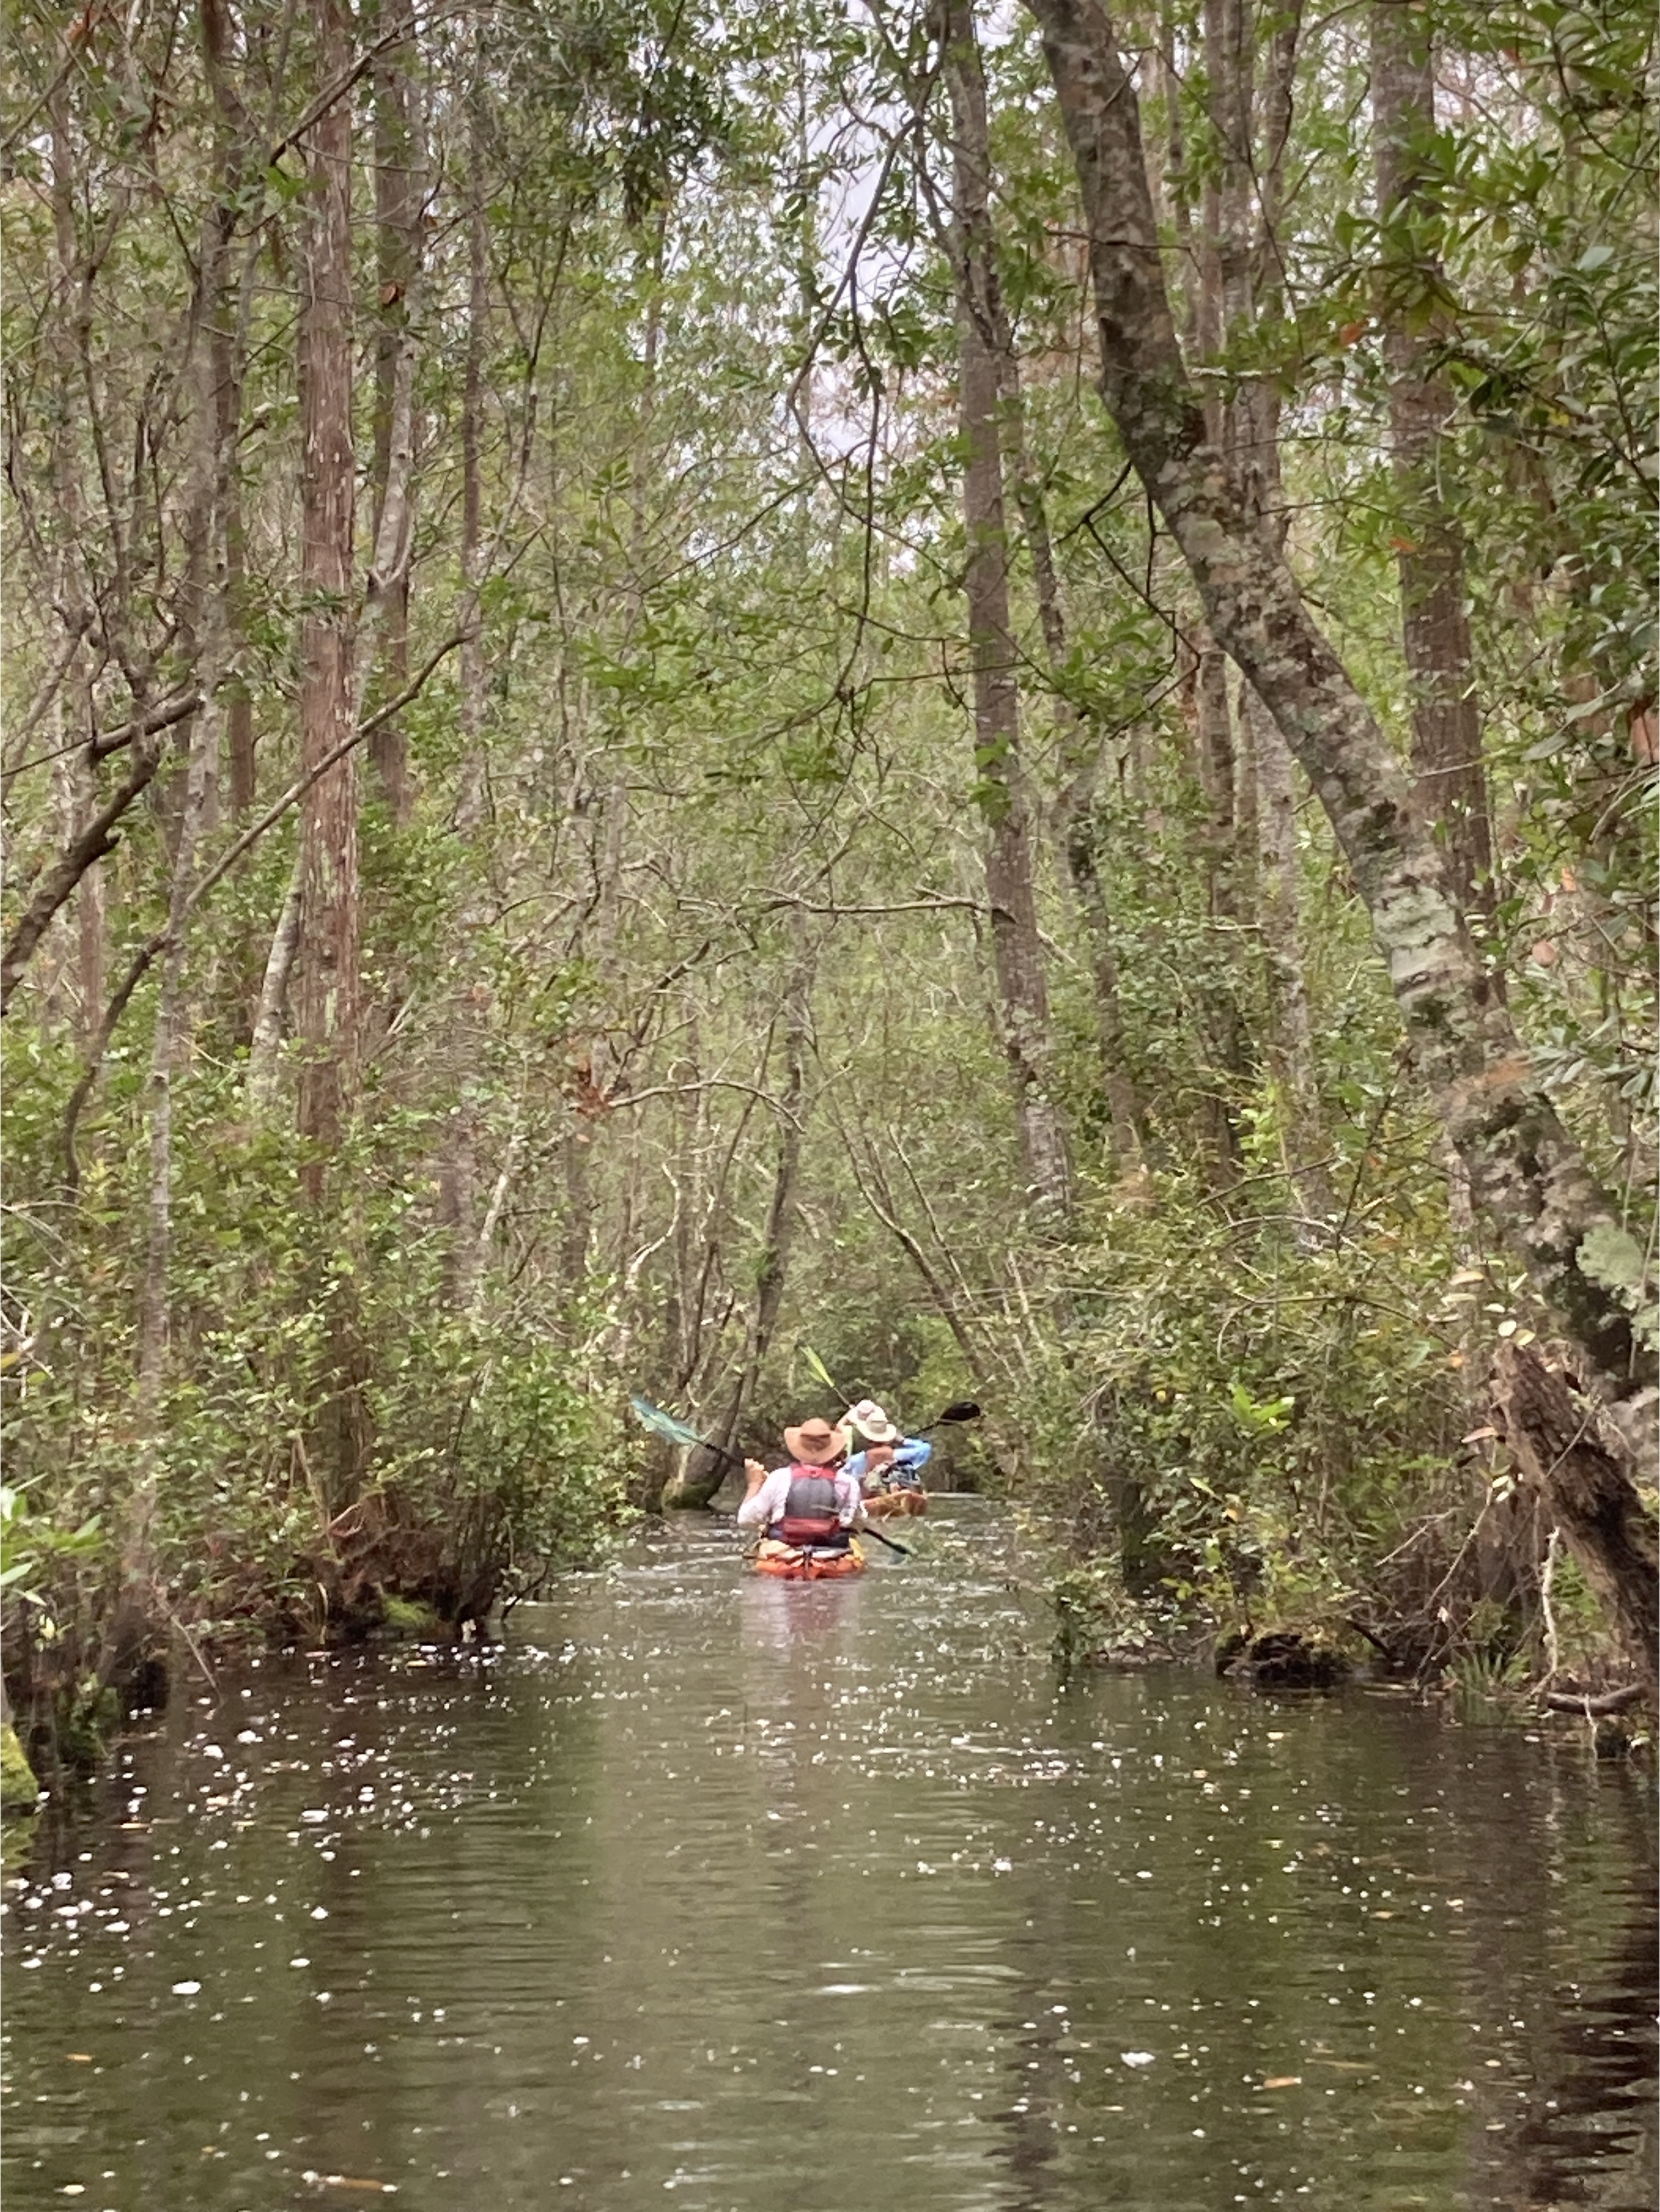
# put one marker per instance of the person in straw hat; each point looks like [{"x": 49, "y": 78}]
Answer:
[
  {"x": 811, "y": 1502},
  {"x": 885, "y": 1459}
]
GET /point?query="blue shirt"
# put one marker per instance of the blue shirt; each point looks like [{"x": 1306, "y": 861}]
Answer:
[{"x": 910, "y": 1455}]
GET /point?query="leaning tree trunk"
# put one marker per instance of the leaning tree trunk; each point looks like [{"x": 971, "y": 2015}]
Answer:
[
  {"x": 1587, "y": 1492},
  {"x": 1525, "y": 1168},
  {"x": 1017, "y": 949}
]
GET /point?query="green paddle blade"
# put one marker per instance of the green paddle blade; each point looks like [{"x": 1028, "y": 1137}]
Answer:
[
  {"x": 665, "y": 1425},
  {"x": 818, "y": 1371}
]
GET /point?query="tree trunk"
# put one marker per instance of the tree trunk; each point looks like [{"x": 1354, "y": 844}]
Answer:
[
  {"x": 1450, "y": 780},
  {"x": 131, "y": 1640},
  {"x": 1588, "y": 1494},
  {"x": 398, "y": 214},
  {"x": 327, "y": 997},
  {"x": 1016, "y": 950},
  {"x": 457, "y": 1063},
  {"x": 470, "y": 797},
  {"x": 1251, "y": 133},
  {"x": 327, "y": 1010},
  {"x": 235, "y": 153},
  {"x": 135, "y": 1620},
  {"x": 1290, "y": 1051},
  {"x": 705, "y": 1472},
  {"x": 267, "y": 1040},
  {"x": 72, "y": 777},
  {"x": 1079, "y": 749},
  {"x": 1525, "y": 1168},
  {"x": 1083, "y": 859}
]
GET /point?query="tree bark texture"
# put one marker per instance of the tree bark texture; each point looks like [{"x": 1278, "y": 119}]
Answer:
[
  {"x": 1291, "y": 1030},
  {"x": 1587, "y": 1493},
  {"x": 327, "y": 998},
  {"x": 470, "y": 799},
  {"x": 236, "y": 155},
  {"x": 1016, "y": 950},
  {"x": 74, "y": 776},
  {"x": 266, "y": 1044},
  {"x": 398, "y": 214},
  {"x": 1447, "y": 770},
  {"x": 1525, "y": 1168},
  {"x": 1251, "y": 124}
]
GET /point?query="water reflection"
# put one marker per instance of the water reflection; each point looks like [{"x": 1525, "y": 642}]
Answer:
[{"x": 751, "y": 1895}]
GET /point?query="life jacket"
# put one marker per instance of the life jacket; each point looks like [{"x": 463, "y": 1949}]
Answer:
[{"x": 810, "y": 1515}]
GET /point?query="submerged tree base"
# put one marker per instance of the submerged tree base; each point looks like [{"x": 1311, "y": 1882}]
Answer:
[
  {"x": 1282, "y": 1659},
  {"x": 20, "y": 1792}
]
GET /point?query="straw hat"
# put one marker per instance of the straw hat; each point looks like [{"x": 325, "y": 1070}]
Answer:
[
  {"x": 869, "y": 1422},
  {"x": 815, "y": 1444}
]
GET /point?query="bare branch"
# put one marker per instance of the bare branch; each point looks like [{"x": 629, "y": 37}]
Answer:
[{"x": 90, "y": 846}]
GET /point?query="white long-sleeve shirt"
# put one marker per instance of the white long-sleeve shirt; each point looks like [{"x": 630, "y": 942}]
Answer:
[{"x": 765, "y": 1505}]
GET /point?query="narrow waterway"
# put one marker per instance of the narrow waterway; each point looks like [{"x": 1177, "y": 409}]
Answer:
[{"x": 831, "y": 1899}]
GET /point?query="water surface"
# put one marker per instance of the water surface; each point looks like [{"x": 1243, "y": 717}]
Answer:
[{"x": 757, "y": 1896}]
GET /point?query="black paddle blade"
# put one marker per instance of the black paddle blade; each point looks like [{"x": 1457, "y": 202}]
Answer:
[
  {"x": 903, "y": 1550},
  {"x": 964, "y": 1410}
]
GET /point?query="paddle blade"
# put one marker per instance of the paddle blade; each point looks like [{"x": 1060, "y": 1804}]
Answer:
[
  {"x": 818, "y": 1370},
  {"x": 665, "y": 1425},
  {"x": 964, "y": 1409},
  {"x": 903, "y": 1550}
]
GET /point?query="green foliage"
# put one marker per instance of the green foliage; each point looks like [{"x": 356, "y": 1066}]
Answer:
[
  {"x": 1252, "y": 1450},
  {"x": 716, "y": 737},
  {"x": 19, "y": 1790}
]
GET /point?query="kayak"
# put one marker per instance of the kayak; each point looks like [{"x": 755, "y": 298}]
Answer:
[
  {"x": 895, "y": 1504},
  {"x": 790, "y": 1562}
]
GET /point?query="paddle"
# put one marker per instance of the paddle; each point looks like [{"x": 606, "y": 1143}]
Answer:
[
  {"x": 959, "y": 1410},
  {"x": 682, "y": 1432},
  {"x": 903, "y": 1550},
  {"x": 679, "y": 1433}
]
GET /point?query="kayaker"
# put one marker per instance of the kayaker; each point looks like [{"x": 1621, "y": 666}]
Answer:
[
  {"x": 886, "y": 1459},
  {"x": 813, "y": 1502}
]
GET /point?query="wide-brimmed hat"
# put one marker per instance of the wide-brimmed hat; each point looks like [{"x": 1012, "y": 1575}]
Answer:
[
  {"x": 867, "y": 1420},
  {"x": 815, "y": 1444}
]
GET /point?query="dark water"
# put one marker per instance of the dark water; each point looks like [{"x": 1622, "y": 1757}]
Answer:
[{"x": 829, "y": 1899}]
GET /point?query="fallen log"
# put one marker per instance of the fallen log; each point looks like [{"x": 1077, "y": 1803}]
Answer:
[{"x": 1595, "y": 1708}]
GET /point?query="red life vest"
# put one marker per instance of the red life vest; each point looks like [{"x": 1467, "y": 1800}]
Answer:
[{"x": 810, "y": 1514}]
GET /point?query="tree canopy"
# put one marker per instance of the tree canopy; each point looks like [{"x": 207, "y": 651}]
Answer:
[{"x": 696, "y": 697}]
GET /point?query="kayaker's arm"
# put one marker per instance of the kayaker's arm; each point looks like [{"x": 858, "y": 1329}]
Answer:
[{"x": 763, "y": 1499}]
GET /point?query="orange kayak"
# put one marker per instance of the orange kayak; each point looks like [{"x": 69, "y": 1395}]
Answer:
[{"x": 786, "y": 1563}]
